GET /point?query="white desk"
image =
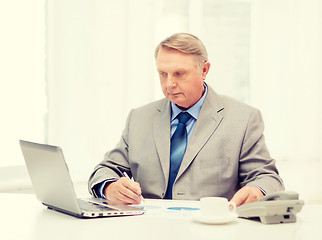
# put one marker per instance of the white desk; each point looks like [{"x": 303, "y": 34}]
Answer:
[{"x": 24, "y": 217}]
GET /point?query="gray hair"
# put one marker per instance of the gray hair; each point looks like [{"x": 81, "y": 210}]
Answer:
[{"x": 186, "y": 43}]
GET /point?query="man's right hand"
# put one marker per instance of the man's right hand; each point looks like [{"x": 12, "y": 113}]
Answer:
[{"x": 124, "y": 191}]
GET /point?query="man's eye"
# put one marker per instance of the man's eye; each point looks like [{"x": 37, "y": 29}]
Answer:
[
  {"x": 163, "y": 74},
  {"x": 178, "y": 74}
]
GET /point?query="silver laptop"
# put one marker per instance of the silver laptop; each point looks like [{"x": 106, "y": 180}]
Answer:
[{"x": 53, "y": 186}]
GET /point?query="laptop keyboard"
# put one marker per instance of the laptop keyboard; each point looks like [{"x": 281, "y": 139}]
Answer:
[{"x": 92, "y": 207}]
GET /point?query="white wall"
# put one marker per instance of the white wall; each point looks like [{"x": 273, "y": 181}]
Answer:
[
  {"x": 22, "y": 72},
  {"x": 23, "y": 100}
]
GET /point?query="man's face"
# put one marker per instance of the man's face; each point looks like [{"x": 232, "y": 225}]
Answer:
[{"x": 181, "y": 77}]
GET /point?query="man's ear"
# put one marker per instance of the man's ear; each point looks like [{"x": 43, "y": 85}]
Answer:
[{"x": 205, "y": 69}]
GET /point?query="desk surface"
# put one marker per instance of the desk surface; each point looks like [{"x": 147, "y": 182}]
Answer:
[{"x": 24, "y": 217}]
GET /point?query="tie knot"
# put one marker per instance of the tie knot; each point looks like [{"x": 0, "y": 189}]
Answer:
[{"x": 183, "y": 117}]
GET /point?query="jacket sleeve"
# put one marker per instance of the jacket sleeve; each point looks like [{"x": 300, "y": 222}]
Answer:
[{"x": 256, "y": 167}]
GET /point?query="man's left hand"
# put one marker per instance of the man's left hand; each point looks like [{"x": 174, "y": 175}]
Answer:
[{"x": 247, "y": 194}]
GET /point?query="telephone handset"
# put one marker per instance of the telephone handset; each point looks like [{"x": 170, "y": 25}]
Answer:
[
  {"x": 278, "y": 207},
  {"x": 283, "y": 195}
]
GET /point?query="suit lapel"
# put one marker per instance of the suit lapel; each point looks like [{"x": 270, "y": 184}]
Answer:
[
  {"x": 208, "y": 121},
  {"x": 161, "y": 133}
]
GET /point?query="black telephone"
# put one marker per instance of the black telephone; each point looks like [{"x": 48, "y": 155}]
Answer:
[{"x": 279, "y": 207}]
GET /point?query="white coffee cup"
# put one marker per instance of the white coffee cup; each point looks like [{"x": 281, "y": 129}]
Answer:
[{"x": 216, "y": 206}]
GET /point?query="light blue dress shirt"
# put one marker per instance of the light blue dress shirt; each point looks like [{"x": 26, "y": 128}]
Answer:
[{"x": 193, "y": 111}]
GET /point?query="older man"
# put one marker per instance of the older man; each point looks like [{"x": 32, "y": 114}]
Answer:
[{"x": 191, "y": 144}]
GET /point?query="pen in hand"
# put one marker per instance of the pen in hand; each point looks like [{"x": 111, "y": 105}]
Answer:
[{"x": 132, "y": 179}]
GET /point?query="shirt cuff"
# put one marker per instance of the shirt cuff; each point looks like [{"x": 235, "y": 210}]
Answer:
[
  {"x": 100, "y": 187},
  {"x": 261, "y": 189}
]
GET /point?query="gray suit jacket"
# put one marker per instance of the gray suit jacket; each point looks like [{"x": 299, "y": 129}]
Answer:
[{"x": 226, "y": 152}]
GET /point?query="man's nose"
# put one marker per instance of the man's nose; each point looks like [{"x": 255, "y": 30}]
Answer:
[{"x": 171, "y": 82}]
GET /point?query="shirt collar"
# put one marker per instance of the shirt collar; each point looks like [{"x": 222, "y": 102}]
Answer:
[{"x": 194, "y": 110}]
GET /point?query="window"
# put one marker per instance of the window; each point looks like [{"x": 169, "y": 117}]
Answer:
[{"x": 23, "y": 100}]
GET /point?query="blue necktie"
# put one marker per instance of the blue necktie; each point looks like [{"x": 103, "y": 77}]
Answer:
[{"x": 177, "y": 150}]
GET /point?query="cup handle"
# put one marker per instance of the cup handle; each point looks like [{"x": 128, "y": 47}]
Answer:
[{"x": 231, "y": 206}]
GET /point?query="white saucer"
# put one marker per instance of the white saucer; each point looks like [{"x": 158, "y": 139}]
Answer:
[{"x": 229, "y": 217}]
